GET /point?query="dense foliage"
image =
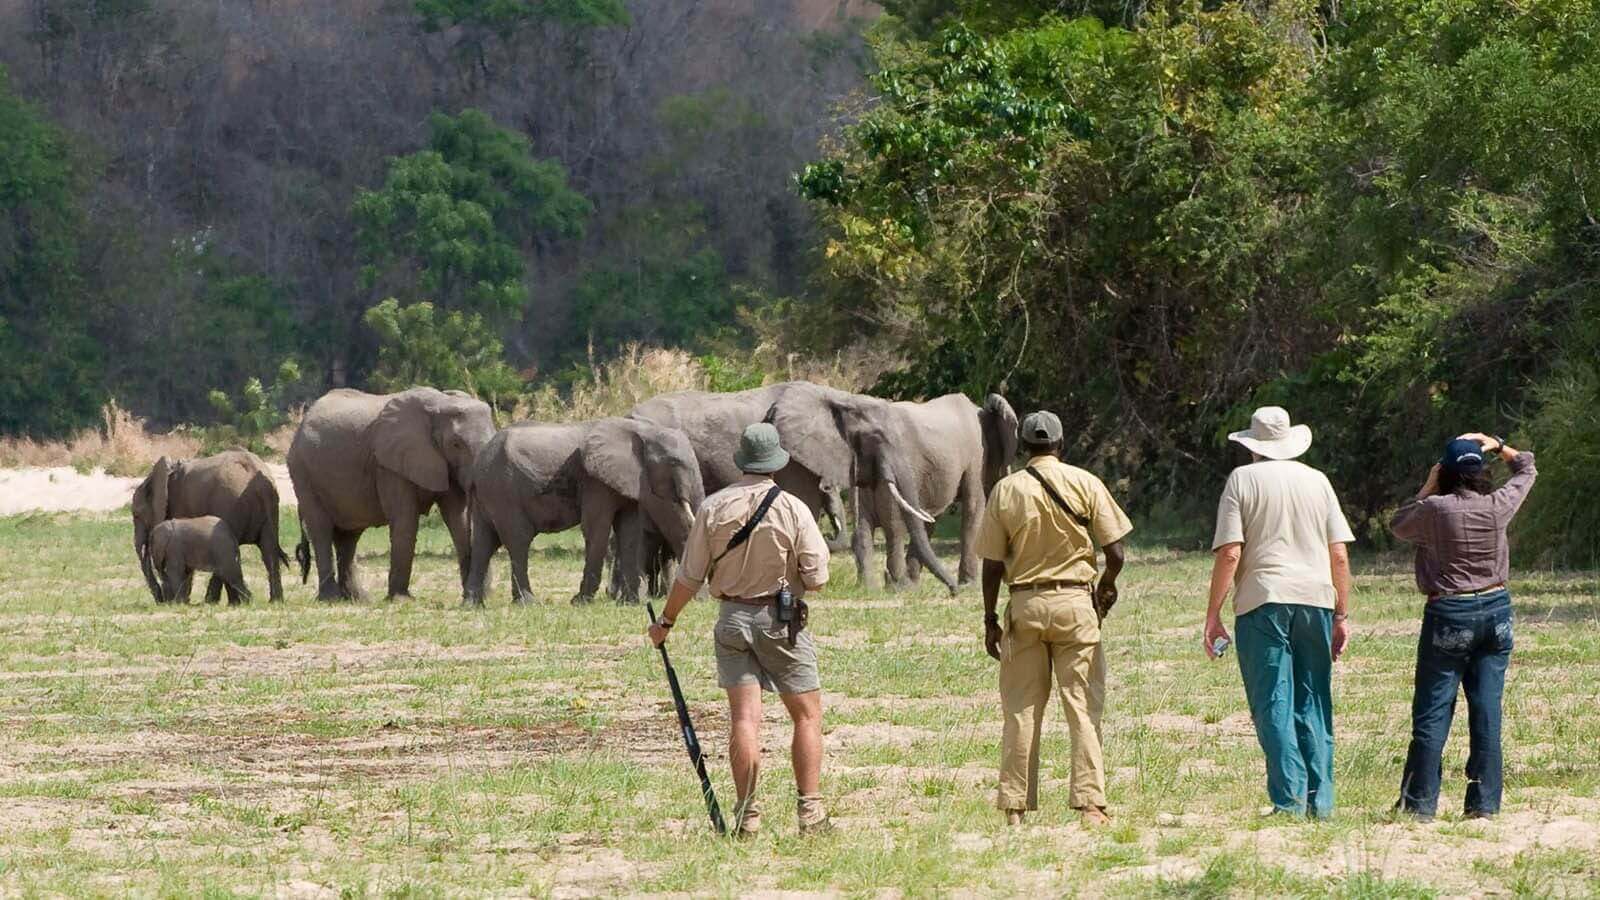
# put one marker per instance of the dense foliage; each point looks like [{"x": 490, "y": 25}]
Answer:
[
  {"x": 1378, "y": 217},
  {"x": 206, "y": 189}
]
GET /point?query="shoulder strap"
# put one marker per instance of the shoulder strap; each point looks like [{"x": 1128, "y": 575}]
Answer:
[
  {"x": 1065, "y": 506},
  {"x": 745, "y": 530}
]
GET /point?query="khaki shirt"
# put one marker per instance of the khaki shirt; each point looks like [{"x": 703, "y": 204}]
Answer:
[
  {"x": 1025, "y": 529},
  {"x": 786, "y": 545}
]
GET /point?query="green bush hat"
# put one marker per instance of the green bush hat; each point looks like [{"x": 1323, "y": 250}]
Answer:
[
  {"x": 759, "y": 452},
  {"x": 1041, "y": 427}
]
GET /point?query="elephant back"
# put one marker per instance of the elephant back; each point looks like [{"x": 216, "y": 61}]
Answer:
[{"x": 234, "y": 486}]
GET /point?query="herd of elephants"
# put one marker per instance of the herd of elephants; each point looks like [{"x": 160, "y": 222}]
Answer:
[{"x": 632, "y": 483}]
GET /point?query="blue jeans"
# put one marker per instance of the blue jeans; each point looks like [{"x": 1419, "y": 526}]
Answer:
[
  {"x": 1286, "y": 658},
  {"x": 1465, "y": 641}
]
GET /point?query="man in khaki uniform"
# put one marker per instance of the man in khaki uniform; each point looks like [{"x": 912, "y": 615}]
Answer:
[
  {"x": 1038, "y": 536},
  {"x": 785, "y": 549}
]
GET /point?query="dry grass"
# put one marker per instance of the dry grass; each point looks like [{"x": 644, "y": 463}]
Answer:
[
  {"x": 614, "y": 387},
  {"x": 121, "y": 445}
]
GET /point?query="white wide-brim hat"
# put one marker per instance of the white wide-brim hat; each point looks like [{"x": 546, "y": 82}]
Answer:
[{"x": 1270, "y": 434}]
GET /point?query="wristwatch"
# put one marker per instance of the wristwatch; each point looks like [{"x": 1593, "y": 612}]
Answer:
[
  {"x": 1499, "y": 444},
  {"x": 665, "y": 623}
]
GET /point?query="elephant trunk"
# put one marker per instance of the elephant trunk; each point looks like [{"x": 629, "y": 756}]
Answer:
[
  {"x": 917, "y": 522},
  {"x": 922, "y": 546},
  {"x": 141, "y": 548}
]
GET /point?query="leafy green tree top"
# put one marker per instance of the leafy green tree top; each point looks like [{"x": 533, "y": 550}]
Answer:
[
  {"x": 419, "y": 345},
  {"x": 454, "y": 218}
]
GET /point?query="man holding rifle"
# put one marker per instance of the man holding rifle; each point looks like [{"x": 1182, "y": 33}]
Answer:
[{"x": 760, "y": 550}]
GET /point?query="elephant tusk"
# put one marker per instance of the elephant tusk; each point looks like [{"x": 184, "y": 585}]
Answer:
[
  {"x": 688, "y": 511},
  {"x": 894, "y": 492}
]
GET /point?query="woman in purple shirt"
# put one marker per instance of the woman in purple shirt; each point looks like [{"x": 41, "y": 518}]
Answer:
[{"x": 1458, "y": 523}]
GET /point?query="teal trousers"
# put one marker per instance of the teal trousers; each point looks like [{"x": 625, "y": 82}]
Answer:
[{"x": 1286, "y": 658}]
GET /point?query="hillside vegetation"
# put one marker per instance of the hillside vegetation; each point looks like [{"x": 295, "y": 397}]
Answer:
[{"x": 1148, "y": 216}]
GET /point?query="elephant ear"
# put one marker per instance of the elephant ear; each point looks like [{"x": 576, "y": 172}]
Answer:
[
  {"x": 612, "y": 453},
  {"x": 160, "y": 474},
  {"x": 999, "y": 422},
  {"x": 402, "y": 440},
  {"x": 810, "y": 423}
]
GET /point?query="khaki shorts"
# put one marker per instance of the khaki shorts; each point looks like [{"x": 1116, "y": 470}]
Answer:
[{"x": 754, "y": 649}]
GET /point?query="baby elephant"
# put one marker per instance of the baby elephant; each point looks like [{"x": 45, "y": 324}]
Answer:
[{"x": 178, "y": 547}]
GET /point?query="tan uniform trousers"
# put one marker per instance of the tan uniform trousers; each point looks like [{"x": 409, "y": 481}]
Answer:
[{"x": 1055, "y": 631}]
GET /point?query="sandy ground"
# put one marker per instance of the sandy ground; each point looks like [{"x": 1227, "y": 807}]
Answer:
[{"x": 64, "y": 489}]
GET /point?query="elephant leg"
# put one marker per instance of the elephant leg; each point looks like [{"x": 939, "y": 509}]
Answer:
[
  {"x": 175, "y": 581},
  {"x": 453, "y": 510},
  {"x": 186, "y": 587},
  {"x": 272, "y": 558},
  {"x": 894, "y": 551},
  {"x": 599, "y": 511},
  {"x": 629, "y": 528},
  {"x": 485, "y": 541},
  {"x": 861, "y": 538},
  {"x": 517, "y": 548},
  {"x": 402, "y": 550},
  {"x": 839, "y": 541},
  {"x": 972, "y": 503},
  {"x": 214, "y": 589},
  {"x": 319, "y": 531},
  {"x": 347, "y": 584}
]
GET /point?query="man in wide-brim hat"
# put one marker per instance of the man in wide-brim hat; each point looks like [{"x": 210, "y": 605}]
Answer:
[{"x": 1280, "y": 546}]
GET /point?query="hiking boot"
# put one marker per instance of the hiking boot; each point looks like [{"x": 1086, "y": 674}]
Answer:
[
  {"x": 1095, "y": 816},
  {"x": 1013, "y": 817},
  {"x": 813, "y": 817},
  {"x": 749, "y": 820}
]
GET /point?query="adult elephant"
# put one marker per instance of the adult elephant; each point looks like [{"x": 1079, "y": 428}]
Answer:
[
  {"x": 713, "y": 423},
  {"x": 607, "y": 474},
  {"x": 234, "y": 486},
  {"x": 908, "y": 462},
  {"x": 362, "y": 461}
]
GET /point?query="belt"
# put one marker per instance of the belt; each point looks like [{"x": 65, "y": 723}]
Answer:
[
  {"x": 751, "y": 601},
  {"x": 1047, "y": 586},
  {"x": 1491, "y": 589}
]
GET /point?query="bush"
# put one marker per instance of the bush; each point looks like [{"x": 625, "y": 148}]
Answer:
[
  {"x": 257, "y": 415},
  {"x": 453, "y": 350},
  {"x": 1560, "y": 525}
]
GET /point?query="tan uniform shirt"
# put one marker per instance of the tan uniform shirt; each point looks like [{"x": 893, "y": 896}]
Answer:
[
  {"x": 786, "y": 545},
  {"x": 1025, "y": 529}
]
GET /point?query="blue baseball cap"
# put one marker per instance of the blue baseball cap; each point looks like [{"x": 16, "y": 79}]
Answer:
[{"x": 1462, "y": 455}]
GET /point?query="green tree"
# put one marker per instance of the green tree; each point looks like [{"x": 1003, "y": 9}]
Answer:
[
  {"x": 52, "y": 377},
  {"x": 259, "y": 410},
  {"x": 1097, "y": 219},
  {"x": 418, "y": 345},
  {"x": 454, "y": 220}
]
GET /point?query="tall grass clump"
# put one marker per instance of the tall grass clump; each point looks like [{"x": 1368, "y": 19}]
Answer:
[{"x": 121, "y": 444}]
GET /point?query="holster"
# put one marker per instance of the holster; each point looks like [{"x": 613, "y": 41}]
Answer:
[{"x": 791, "y": 612}]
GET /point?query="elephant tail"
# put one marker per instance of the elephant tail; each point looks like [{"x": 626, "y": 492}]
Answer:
[{"x": 302, "y": 555}]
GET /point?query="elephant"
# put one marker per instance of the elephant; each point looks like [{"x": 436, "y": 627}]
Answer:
[
  {"x": 907, "y": 461},
  {"x": 714, "y": 422},
  {"x": 610, "y": 473},
  {"x": 179, "y": 547},
  {"x": 362, "y": 461},
  {"x": 234, "y": 486}
]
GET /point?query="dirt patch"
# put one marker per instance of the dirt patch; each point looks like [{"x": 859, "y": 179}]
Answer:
[{"x": 64, "y": 489}]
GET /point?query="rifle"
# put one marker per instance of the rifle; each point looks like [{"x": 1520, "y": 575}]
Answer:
[{"x": 690, "y": 741}]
